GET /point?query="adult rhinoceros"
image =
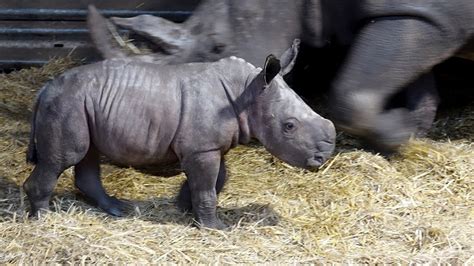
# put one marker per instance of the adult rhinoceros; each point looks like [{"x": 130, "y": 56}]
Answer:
[{"x": 393, "y": 45}]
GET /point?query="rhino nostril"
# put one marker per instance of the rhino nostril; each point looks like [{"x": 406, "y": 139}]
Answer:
[
  {"x": 325, "y": 146},
  {"x": 319, "y": 159},
  {"x": 314, "y": 162}
]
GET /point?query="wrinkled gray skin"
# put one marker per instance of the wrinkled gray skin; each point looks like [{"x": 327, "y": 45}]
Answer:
[
  {"x": 393, "y": 46},
  {"x": 139, "y": 113}
]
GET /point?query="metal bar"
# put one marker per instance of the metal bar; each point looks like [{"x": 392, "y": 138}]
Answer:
[
  {"x": 21, "y": 63},
  {"x": 168, "y": 5},
  {"x": 80, "y": 14},
  {"x": 33, "y": 31},
  {"x": 22, "y": 31}
]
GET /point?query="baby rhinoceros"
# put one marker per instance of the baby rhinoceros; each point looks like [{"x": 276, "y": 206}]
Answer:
[{"x": 138, "y": 113}]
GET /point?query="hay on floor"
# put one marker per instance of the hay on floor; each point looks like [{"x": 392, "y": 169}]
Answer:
[{"x": 358, "y": 208}]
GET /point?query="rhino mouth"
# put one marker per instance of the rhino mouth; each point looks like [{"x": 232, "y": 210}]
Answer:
[
  {"x": 315, "y": 161},
  {"x": 320, "y": 156}
]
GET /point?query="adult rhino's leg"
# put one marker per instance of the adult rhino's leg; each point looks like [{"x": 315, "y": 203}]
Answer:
[
  {"x": 202, "y": 171},
  {"x": 184, "y": 196},
  {"x": 387, "y": 56},
  {"x": 422, "y": 102},
  {"x": 87, "y": 180}
]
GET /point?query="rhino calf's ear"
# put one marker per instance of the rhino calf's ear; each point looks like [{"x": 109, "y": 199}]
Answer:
[
  {"x": 271, "y": 69},
  {"x": 288, "y": 58}
]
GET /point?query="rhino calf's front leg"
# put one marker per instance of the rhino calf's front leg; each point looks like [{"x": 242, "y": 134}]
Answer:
[
  {"x": 202, "y": 171},
  {"x": 184, "y": 197}
]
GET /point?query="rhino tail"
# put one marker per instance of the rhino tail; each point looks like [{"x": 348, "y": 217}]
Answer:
[
  {"x": 32, "y": 154},
  {"x": 103, "y": 34}
]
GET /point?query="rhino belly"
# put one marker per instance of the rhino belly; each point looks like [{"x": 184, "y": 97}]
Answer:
[
  {"x": 135, "y": 134},
  {"x": 134, "y": 146}
]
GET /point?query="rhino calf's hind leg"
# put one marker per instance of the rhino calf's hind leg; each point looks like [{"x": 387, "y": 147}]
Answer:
[
  {"x": 40, "y": 185},
  {"x": 221, "y": 178},
  {"x": 62, "y": 140},
  {"x": 184, "y": 196},
  {"x": 87, "y": 180}
]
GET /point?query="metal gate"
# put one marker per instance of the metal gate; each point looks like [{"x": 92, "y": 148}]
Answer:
[{"x": 33, "y": 31}]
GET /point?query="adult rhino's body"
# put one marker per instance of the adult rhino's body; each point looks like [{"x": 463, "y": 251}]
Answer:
[
  {"x": 393, "y": 45},
  {"x": 138, "y": 113}
]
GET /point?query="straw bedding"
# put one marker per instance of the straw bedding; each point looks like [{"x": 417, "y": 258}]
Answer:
[{"x": 358, "y": 208}]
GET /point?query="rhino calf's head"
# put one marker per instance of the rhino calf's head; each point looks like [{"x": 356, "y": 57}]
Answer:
[{"x": 283, "y": 122}]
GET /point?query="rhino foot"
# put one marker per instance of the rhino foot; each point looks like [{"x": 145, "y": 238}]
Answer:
[
  {"x": 114, "y": 206},
  {"x": 391, "y": 129},
  {"x": 37, "y": 213},
  {"x": 215, "y": 224}
]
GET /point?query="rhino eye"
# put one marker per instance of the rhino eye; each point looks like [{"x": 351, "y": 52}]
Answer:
[
  {"x": 289, "y": 126},
  {"x": 218, "y": 48}
]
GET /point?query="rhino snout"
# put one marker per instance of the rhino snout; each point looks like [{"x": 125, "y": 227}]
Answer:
[
  {"x": 329, "y": 132},
  {"x": 324, "y": 153},
  {"x": 325, "y": 147},
  {"x": 327, "y": 141}
]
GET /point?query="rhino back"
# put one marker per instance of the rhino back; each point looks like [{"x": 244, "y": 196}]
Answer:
[
  {"x": 133, "y": 111},
  {"x": 452, "y": 14},
  {"x": 341, "y": 20},
  {"x": 272, "y": 24},
  {"x": 231, "y": 27}
]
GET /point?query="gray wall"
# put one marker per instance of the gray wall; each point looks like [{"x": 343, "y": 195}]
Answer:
[{"x": 33, "y": 31}]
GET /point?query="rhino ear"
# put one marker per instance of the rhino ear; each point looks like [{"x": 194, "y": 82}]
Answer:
[
  {"x": 288, "y": 58},
  {"x": 271, "y": 69},
  {"x": 100, "y": 32},
  {"x": 169, "y": 36}
]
